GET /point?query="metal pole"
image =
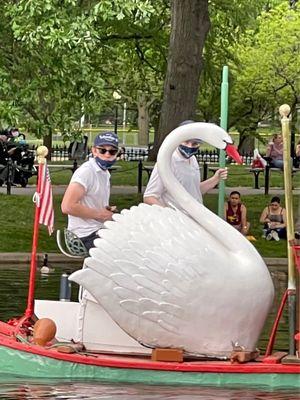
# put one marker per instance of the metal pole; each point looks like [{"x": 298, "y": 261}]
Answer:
[
  {"x": 124, "y": 115},
  {"x": 140, "y": 176},
  {"x": 42, "y": 152},
  {"x": 117, "y": 97},
  {"x": 223, "y": 124},
  {"x": 9, "y": 176},
  {"x": 116, "y": 119},
  {"x": 284, "y": 111}
]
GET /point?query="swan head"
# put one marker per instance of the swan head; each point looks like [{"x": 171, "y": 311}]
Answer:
[{"x": 203, "y": 132}]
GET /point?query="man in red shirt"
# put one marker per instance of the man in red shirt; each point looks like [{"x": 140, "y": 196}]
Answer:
[{"x": 236, "y": 213}]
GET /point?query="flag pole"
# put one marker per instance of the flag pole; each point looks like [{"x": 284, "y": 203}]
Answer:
[
  {"x": 223, "y": 124},
  {"x": 284, "y": 111},
  {"x": 42, "y": 152}
]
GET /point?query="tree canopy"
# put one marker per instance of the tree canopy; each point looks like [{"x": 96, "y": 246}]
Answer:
[
  {"x": 59, "y": 56},
  {"x": 267, "y": 71},
  {"x": 62, "y": 59}
]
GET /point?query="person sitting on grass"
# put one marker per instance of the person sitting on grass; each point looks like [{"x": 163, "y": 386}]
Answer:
[
  {"x": 274, "y": 219},
  {"x": 236, "y": 213}
]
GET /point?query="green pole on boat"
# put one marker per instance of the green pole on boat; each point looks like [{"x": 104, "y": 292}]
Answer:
[
  {"x": 284, "y": 111},
  {"x": 223, "y": 124}
]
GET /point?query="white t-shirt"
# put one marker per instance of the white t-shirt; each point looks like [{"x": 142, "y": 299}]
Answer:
[
  {"x": 96, "y": 183},
  {"x": 187, "y": 172}
]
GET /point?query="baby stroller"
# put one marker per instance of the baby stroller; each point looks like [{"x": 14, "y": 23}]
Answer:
[{"x": 16, "y": 160}]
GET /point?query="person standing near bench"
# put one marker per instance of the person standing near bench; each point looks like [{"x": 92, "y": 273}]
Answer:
[
  {"x": 274, "y": 151},
  {"x": 86, "y": 200},
  {"x": 274, "y": 219},
  {"x": 236, "y": 213},
  {"x": 186, "y": 169},
  {"x": 297, "y": 155}
]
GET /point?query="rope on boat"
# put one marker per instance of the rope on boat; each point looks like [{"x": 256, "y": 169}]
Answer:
[{"x": 71, "y": 347}]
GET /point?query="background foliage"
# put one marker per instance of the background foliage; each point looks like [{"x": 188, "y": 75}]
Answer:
[{"x": 62, "y": 60}]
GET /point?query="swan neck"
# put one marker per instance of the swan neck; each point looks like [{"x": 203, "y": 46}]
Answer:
[{"x": 218, "y": 228}]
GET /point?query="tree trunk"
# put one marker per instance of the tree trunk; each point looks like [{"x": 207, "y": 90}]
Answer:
[
  {"x": 47, "y": 141},
  {"x": 189, "y": 26},
  {"x": 246, "y": 143},
  {"x": 143, "y": 120}
]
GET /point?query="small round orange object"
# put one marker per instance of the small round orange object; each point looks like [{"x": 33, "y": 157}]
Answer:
[{"x": 44, "y": 331}]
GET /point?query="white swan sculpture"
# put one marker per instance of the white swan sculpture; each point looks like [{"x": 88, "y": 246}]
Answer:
[{"x": 180, "y": 280}]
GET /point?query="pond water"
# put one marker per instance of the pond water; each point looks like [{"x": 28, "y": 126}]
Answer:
[{"x": 13, "y": 294}]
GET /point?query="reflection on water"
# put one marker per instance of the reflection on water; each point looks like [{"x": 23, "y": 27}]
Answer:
[
  {"x": 14, "y": 286},
  {"x": 279, "y": 278},
  {"x": 13, "y": 294},
  {"x": 91, "y": 391}
]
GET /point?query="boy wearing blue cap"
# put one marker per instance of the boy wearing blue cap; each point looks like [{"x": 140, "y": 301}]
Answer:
[{"x": 86, "y": 200}]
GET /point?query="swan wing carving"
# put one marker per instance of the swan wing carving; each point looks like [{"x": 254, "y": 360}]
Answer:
[{"x": 182, "y": 280}]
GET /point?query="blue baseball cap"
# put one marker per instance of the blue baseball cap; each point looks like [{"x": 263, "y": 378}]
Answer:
[{"x": 106, "y": 139}]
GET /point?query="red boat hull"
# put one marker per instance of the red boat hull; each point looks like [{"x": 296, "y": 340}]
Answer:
[{"x": 16, "y": 350}]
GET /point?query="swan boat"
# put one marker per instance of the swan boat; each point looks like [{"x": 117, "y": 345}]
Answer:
[{"x": 181, "y": 298}]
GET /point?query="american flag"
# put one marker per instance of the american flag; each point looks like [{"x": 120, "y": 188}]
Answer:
[{"x": 46, "y": 201}]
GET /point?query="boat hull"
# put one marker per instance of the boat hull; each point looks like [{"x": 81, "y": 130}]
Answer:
[{"x": 30, "y": 361}]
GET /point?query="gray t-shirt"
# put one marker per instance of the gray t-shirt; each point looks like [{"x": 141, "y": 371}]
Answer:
[{"x": 187, "y": 172}]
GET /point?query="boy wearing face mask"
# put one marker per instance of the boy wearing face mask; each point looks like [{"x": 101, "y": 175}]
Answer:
[
  {"x": 86, "y": 200},
  {"x": 186, "y": 169}
]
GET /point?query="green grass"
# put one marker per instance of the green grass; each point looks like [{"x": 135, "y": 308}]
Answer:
[
  {"x": 128, "y": 172},
  {"x": 129, "y": 137},
  {"x": 255, "y": 205},
  {"x": 126, "y": 137},
  {"x": 16, "y": 222}
]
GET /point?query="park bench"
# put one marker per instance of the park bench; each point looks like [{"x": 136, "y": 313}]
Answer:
[
  {"x": 269, "y": 169},
  {"x": 255, "y": 171},
  {"x": 74, "y": 166},
  {"x": 141, "y": 167},
  {"x": 212, "y": 168},
  {"x": 267, "y": 175},
  {"x": 149, "y": 168}
]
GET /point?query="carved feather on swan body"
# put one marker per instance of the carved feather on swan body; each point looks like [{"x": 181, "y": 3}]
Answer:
[{"x": 182, "y": 280}]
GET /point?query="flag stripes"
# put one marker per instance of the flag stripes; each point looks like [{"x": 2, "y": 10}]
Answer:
[{"x": 46, "y": 201}]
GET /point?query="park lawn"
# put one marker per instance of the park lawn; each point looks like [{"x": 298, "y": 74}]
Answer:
[
  {"x": 16, "y": 222},
  {"x": 255, "y": 205},
  {"x": 129, "y": 136},
  {"x": 127, "y": 174}
]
